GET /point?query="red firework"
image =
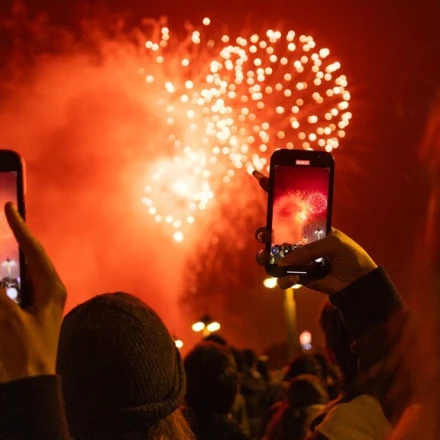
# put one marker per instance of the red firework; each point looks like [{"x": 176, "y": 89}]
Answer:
[{"x": 316, "y": 202}]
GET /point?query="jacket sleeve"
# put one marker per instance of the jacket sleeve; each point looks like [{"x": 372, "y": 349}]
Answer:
[
  {"x": 32, "y": 408},
  {"x": 367, "y": 302},
  {"x": 317, "y": 436}
]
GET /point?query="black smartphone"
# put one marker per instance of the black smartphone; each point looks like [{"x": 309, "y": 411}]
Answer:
[
  {"x": 299, "y": 208},
  {"x": 12, "y": 189}
]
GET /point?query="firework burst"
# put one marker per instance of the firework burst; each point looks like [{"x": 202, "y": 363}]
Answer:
[{"x": 229, "y": 102}]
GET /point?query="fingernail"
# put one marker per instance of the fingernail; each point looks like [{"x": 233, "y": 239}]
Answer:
[{"x": 257, "y": 174}]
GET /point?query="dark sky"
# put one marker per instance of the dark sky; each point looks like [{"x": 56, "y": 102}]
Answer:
[{"x": 389, "y": 50}]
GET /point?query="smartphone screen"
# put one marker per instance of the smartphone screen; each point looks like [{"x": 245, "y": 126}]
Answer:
[
  {"x": 300, "y": 212},
  {"x": 9, "y": 250}
]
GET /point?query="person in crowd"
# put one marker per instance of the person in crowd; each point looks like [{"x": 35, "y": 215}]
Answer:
[
  {"x": 356, "y": 413},
  {"x": 303, "y": 364},
  {"x": 383, "y": 328},
  {"x": 212, "y": 384},
  {"x": 254, "y": 389},
  {"x": 122, "y": 376},
  {"x": 239, "y": 409},
  {"x": 306, "y": 399},
  {"x": 274, "y": 390},
  {"x": 214, "y": 337}
]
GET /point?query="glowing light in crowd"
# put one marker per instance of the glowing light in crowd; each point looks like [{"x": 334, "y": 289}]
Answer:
[
  {"x": 207, "y": 325},
  {"x": 213, "y": 327},
  {"x": 305, "y": 339},
  {"x": 270, "y": 283},
  {"x": 228, "y": 102},
  {"x": 179, "y": 343},
  {"x": 198, "y": 326}
]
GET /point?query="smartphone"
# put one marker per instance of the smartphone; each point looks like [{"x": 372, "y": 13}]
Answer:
[
  {"x": 12, "y": 189},
  {"x": 299, "y": 208}
]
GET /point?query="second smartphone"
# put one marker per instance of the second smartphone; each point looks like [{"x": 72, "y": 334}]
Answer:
[
  {"x": 12, "y": 264},
  {"x": 299, "y": 208}
]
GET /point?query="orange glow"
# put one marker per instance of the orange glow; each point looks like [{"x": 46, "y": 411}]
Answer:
[{"x": 244, "y": 96}]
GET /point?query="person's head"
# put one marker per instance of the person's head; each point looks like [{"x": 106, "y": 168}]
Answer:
[
  {"x": 249, "y": 358},
  {"x": 122, "y": 375},
  {"x": 305, "y": 400},
  {"x": 338, "y": 341},
  {"x": 215, "y": 337},
  {"x": 306, "y": 390},
  {"x": 212, "y": 379},
  {"x": 303, "y": 364}
]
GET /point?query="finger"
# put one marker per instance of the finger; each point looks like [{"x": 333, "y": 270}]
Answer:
[
  {"x": 38, "y": 262},
  {"x": 262, "y": 258},
  {"x": 262, "y": 180},
  {"x": 287, "y": 282},
  {"x": 262, "y": 235},
  {"x": 326, "y": 247}
]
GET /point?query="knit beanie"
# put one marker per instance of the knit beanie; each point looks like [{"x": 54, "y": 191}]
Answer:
[{"x": 119, "y": 367}]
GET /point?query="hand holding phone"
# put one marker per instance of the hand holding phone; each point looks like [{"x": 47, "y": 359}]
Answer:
[
  {"x": 29, "y": 337},
  {"x": 347, "y": 260}
]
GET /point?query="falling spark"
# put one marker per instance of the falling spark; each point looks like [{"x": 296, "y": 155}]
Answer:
[{"x": 228, "y": 103}]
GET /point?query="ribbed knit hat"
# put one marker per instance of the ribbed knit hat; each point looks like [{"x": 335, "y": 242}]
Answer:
[{"x": 119, "y": 366}]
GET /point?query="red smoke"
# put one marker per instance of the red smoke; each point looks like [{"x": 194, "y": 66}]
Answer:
[{"x": 86, "y": 130}]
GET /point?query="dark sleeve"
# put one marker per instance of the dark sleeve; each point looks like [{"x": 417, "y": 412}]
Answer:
[
  {"x": 367, "y": 302},
  {"x": 32, "y": 409},
  {"x": 317, "y": 436}
]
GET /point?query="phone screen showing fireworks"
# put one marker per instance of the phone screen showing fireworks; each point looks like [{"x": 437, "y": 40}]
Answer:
[
  {"x": 9, "y": 250},
  {"x": 300, "y": 207}
]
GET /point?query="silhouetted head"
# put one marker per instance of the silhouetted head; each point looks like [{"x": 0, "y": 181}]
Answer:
[
  {"x": 305, "y": 401},
  {"x": 249, "y": 358},
  {"x": 303, "y": 364},
  {"x": 306, "y": 390},
  {"x": 211, "y": 379},
  {"x": 122, "y": 375},
  {"x": 214, "y": 337}
]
